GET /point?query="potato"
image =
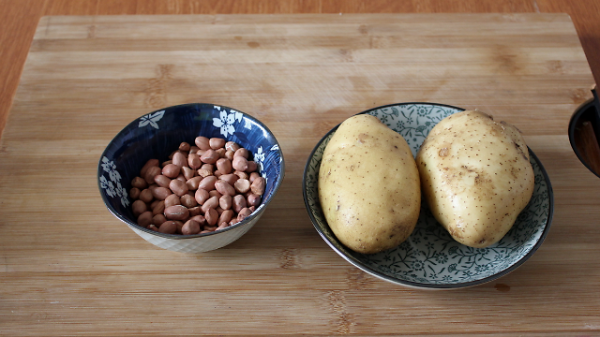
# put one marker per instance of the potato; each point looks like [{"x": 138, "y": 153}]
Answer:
[
  {"x": 476, "y": 176},
  {"x": 369, "y": 186}
]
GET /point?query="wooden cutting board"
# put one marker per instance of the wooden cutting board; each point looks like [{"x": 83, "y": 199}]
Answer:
[{"x": 68, "y": 267}]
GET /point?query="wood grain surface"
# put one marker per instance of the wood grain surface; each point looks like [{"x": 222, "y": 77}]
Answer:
[
  {"x": 19, "y": 18},
  {"x": 68, "y": 267}
]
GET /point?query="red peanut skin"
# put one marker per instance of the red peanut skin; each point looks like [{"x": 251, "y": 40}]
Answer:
[
  {"x": 177, "y": 212},
  {"x": 202, "y": 142},
  {"x": 224, "y": 187},
  {"x": 168, "y": 227}
]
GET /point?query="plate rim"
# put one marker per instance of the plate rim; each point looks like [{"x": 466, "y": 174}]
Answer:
[{"x": 417, "y": 285}]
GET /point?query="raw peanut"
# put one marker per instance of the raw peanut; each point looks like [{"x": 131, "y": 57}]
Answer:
[
  {"x": 241, "y": 174},
  {"x": 221, "y": 152},
  {"x": 230, "y": 178},
  {"x": 253, "y": 199},
  {"x": 202, "y": 142},
  {"x": 194, "y": 161},
  {"x": 150, "y": 163},
  {"x": 159, "y": 207},
  {"x": 231, "y": 146},
  {"x": 253, "y": 176},
  {"x": 184, "y": 146},
  {"x": 201, "y": 196},
  {"x": 195, "y": 211},
  {"x": 239, "y": 163},
  {"x": 179, "y": 159},
  {"x": 168, "y": 227},
  {"x": 216, "y": 143},
  {"x": 193, "y": 183},
  {"x": 224, "y": 187},
  {"x": 172, "y": 200},
  {"x": 244, "y": 213},
  {"x": 226, "y": 201},
  {"x": 158, "y": 219},
  {"x": 179, "y": 226},
  {"x": 191, "y": 227},
  {"x": 161, "y": 193},
  {"x": 226, "y": 216},
  {"x": 177, "y": 212},
  {"x": 205, "y": 231},
  {"x": 200, "y": 219},
  {"x": 188, "y": 201},
  {"x": 171, "y": 171},
  {"x": 212, "y": 202},
  {"x": 211, "y": 217},
  {"x": 209, "y": 157},
  {"x": 252, "y": 166},
  {"x": 242, "y": 186},
  {"x": 213, "y": 173},
  {"x": 146, "y": 196},
  {"x": 144, "y": 219},
  {"x": 224, "y": 165},
  {"x": 206, "y": 170},
  {"x": 139, "y": 183},
  {"x": 214, "y": 193},
  {"x": 208, "y": 183},
  {"x": 152, "y": 227},
  {"x": 134, "y": 193},
  {"x": 187, "y": 172},
  {"x": 162, "y": 181},
  {"x": 239, "y": 203},
  {"x": 151, "y": 173},
  {"x": 178, "y": 187},
  {"x": 241, "y": 152},
  {"x": 138, "y": 207},
  {"x": 258, "y": 186}
]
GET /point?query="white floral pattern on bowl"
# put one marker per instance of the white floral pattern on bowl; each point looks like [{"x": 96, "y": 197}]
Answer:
[{"x": 430, "y": 258}]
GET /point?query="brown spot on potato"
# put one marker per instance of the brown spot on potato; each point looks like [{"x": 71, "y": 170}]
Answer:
[
  {"x": 443, "y": 152},
  {"x": 362, "y": 138}
]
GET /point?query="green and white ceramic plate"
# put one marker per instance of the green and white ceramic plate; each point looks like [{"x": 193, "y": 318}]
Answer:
[{"x": 430, "y": 258}]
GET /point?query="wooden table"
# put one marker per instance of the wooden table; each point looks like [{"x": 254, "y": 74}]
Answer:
[
  {"x": 70, "y": 268},
  {"x": 19, "y": 18}
]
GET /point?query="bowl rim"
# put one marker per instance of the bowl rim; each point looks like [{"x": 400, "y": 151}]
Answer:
[
  {"x": 247, "y": 220},
  {"x": 581, "y": 109},
  {"x": 417, "y": 285}
]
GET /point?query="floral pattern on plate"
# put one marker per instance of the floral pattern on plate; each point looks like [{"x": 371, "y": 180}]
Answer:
[{"x": 430, "y": 258}]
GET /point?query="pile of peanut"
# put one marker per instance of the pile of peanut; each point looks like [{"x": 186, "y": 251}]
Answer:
[{"x": 200, "y": 189}]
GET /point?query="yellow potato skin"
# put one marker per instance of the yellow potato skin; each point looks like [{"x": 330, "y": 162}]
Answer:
[
  {"x": 369, "y": 186},
  {"x": 476, "y": 176}
]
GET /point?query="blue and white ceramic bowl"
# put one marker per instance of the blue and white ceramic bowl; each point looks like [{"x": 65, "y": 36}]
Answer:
[
  {"x": 159, "y": 133},
  {"x": 430, "y": 258}
]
